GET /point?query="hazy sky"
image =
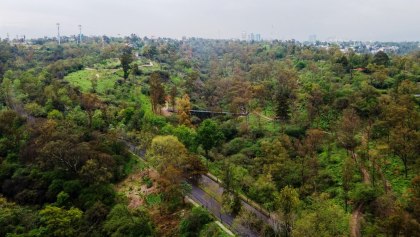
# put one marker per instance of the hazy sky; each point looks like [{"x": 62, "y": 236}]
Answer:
[{"x": 385, "y": 20}]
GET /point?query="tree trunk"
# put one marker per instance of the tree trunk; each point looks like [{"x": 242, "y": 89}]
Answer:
[{"x": 405, "y": 167}]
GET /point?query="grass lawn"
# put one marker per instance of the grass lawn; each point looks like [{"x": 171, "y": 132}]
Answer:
[
  {"x": 105, "y": 80},
  {"x": 81, "y": 79},
  {"x": 271, "y": 126},
  {"x": 111, "y": 63}
]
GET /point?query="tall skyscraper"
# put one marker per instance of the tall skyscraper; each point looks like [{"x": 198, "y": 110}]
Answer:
[{"x": 243, "y": 36}]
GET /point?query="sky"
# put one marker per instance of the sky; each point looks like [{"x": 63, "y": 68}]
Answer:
[{"x": 366, "y": 20}]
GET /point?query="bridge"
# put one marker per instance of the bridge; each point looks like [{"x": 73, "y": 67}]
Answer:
[{"x": 203, "y": 114}]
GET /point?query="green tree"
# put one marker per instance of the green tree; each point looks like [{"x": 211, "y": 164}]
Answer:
[
  {"x": 285, "y": 92},
  {"x": 347, "y": 177},
  {"x": 209, "y": 135},
  {"x": 59, "y": 221},
  {"x": 173, "y": 93},
  {"x": 264, "y": 191},
  {"x": 123, "y": 222},
  {"x": 165, "y": 151},
  {"x": 126, "y": 59},
  {"x": 323, "y": 218},
  {"x": 381, "y": 58},
  {"x": 157, "y": 92},
  {"x": 168, "y": 151},
  {"x": 194, "y": 222},
  {"x": 15, "y": 219},
  {"x": 288, "y": 200},
  {"x": 348, "y": 128},
  {"x": 97, "y": 119}
]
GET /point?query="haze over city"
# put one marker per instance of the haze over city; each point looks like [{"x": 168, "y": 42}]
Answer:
[{"x": 381, "y": 20}]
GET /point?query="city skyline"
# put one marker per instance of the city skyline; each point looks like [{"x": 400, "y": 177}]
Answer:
[{"x": 372, "y": 20}]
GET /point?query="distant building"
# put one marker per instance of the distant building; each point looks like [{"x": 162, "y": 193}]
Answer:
[
  {"x": 251, "y": 37},
  {"x": 312, "y": 39},
  {"x": 243, "y": 37}
]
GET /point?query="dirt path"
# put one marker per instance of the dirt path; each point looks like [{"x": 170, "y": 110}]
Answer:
[
  {"x": 165, "y": 110},
  {"x": 263, "y": 116},
  {"x": 355, "y": 219},
  {"x": 148, "y": 65},
  {"x": 357, "y": 214}
]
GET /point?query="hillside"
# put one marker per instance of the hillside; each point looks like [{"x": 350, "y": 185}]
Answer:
[{"x": 162, "y": 137}]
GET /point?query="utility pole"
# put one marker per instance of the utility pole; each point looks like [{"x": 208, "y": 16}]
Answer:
[
  {"x": 80, "y": 34},
  {"x": 58, "y": 34}
]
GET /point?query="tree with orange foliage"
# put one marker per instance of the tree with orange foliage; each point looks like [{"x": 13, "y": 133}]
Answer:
[{"x": 183, "y": 108}]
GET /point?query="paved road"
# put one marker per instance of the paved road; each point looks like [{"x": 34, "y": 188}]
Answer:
[
  {"x": 216, "y": 188},
  {"x": 210, "y": 203},
  {"x": 197, "y": 193}
]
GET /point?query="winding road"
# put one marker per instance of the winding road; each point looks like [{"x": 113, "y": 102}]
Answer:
[
  {"x": 198, "y": 193},
  {"x": 209, "y": 201}
]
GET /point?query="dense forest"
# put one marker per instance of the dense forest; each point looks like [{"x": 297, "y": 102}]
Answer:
[{"x": 118, "y": 136}]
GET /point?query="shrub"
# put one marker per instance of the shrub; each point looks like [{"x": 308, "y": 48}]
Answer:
[{"x": 194, "y": 222}]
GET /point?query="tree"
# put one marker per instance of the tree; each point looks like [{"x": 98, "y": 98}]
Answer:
[
  {"x": 231, "y": 202},
  {"x": 250, "y": 220},
  {"x": 193, "y": 85},
  {"x": 209, "y": 135},
  {"x": 11, "y": 132},
  {"x": 97, "y": 120},
  {"x": 165, "y": 151},
  {"x": 347, "y": 177},
  {"x": 193, "y": 168},
  {"x": 6, "y": 57},
  {"x": 194, "y": 222},
  {"x": 264, "y": 191},
  {"x": 64, "y": 154},
  {"x": 124, "y": 222},
  {"x": 173, "y": 93},
  {"x": 239, "y": 94},
  {"x": 288, "y": 200},
  {"x": 402, "y": 118},
  {"x": 170, "y": 183},
  {"x": 93, "y": 172},
  {"x": 323, "y": 218},
  {"x": 404, "y": 142},
  {"x": 348, "y": 129},
  {"x": 274, "y": 161},
  {"x": 135, "y": 71},
  {"x": 307, "y": 151},
  {"x": 183, "y": 109},
  {"x": 285, "y": 93},
  {"x": 126, "y": 59},
  {"x": 414, "y": 203},
  {"x": 381, "y": 58},
  {"x": 185, "y": 134},
  {"x": 157, "y": 92},
  {"x": 90, "y": 102},
  {"x": 315, "y": 101},
  {"x": 15, "y": 219},
  {"x": 60, "y": 222},
  {"x": 150, "y": 51}
]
